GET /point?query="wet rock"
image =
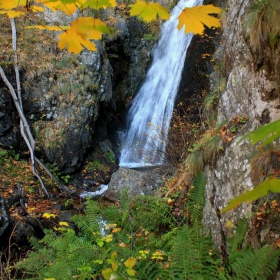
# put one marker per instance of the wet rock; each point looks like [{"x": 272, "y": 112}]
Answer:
[
  {"x": 8, "y": 122},
  {"x": 139, "y": 182},
  {"x": 4, "y": 216},
  {"x": 23, "y": 231}
]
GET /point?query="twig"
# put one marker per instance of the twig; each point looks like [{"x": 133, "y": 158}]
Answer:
[
  {"x": 63, "y": 187},
  {"x": 9, "y": 244}
]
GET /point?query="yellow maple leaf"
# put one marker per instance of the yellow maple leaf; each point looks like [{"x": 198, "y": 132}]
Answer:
[
  {"x": 63, "y": 224},
  {"x": 35, "y": 8},
  {"x": 148, "y": 11},
  {"x": 48, "y": 27},
  {"x": 48, "y": 215},
  {"x": 74, "y": 43},
  {"x": 12, "y": 14},
  {"x": 89, "y": 28},
  {"x": 195, "y": 18},
  {"x": 11, "y": 4},
  {"x": 97, "y": 4},
  {"x": 67, "y": 7}
]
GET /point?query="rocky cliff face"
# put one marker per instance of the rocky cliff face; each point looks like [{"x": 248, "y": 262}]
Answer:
[
  {"x": 69, "y": 99},
  {"x": 251, "y": 91}
]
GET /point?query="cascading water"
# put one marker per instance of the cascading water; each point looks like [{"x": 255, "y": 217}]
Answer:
[{"x": 148, "y": 119}]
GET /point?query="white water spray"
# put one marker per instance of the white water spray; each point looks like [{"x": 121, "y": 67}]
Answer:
[{"x": 148, "y": 120}]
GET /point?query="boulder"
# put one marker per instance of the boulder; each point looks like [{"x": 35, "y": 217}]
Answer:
[{"x": 139, "y": 182}]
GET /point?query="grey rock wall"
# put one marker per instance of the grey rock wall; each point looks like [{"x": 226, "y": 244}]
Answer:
[{"x": 245, "y": 94}]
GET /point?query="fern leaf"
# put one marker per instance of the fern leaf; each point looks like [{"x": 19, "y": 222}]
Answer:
[
  {"x": 254, "y": 264},
  {"x": 235, "y": 242},
  {"x": 190, "y": 255},
  {"x": 196, "y": 198}
]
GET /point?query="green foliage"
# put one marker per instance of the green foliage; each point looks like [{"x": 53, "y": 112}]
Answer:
[
  {"x": 192, "y": 255},
  {"x": 55, "y": 171},
  {"x": 100, "y": 247},
  {"x": 96, "y": 165},
  {"x": 271, "y": 184},
  {"x": 248, "y": 263},
  {"x": 265, "y": 134},
  {"x": 140, "y": 239},
  {"x": 111, "y": 156},
  {"x": 196, "y": 199}
]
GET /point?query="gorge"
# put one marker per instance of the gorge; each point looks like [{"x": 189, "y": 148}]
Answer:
[
  {"x": 73, "y": 101},
  {"x": 148, "y": 119}
]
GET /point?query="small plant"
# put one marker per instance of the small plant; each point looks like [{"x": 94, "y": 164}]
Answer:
[
  {"x": 111, "y": 156},
  {"x": 234, "y": 129},
  {"x": 96, "y": 165},
  {"x": 57, "y": 173}
]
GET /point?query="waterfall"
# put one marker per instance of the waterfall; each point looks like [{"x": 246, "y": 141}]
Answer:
[{"x": 148, "y": 119}]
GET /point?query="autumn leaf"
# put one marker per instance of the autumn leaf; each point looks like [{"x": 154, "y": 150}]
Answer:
[
  {"x": 97, "y": 4},
  {"x": 63, "y": 224},
  {"x": 48, "y": 27},
  {"x": 11, "y": 4},
  {"x": 48, "y": 215},
  {"x": 148, "y": 11},
  {"x": 88, "y": 28},
  {"x": 12, "y": 14},
  {"x": 107, "y": 273},
  {"x": 74, "y": 43},
  {"x": 130, "y": 263},
  {"x": 35, "y": 8},
  {"x": 195, "y": 18},
  {"x": 69, "y": 7}
]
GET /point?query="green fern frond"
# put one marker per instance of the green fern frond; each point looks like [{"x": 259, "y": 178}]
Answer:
[
  {"x": 192, "y": 255},
  {"x": 196, "y": 198},
  {"x": 89, "y": 224},
  {"x": 152, "y": 270},
  {"x": 235, "y": 242},
  {"x": 253, "y": 264}
]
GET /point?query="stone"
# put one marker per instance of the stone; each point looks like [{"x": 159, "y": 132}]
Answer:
[
  {"x": 139, "y": 182},
  {"x": 4, "y": 216}
]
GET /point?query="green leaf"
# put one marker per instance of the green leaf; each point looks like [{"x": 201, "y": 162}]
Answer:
[
  {"x": 271, "y": 184},
  {"x": 267, "y": 133},
  {"x": 98, "y": 261}
]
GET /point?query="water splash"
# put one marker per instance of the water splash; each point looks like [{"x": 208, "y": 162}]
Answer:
[{"x": 148, "y": 119}]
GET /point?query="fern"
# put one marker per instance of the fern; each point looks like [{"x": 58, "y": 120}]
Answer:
[
  {"x": 196, "y": 198},
  {"x": 235, "y": 242},
  {"x": 253, "y": 263},
  {"x": 249, "y": 263},
  {"x": 191, "y": 255},
  {"x": 89, "y": 224}
]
